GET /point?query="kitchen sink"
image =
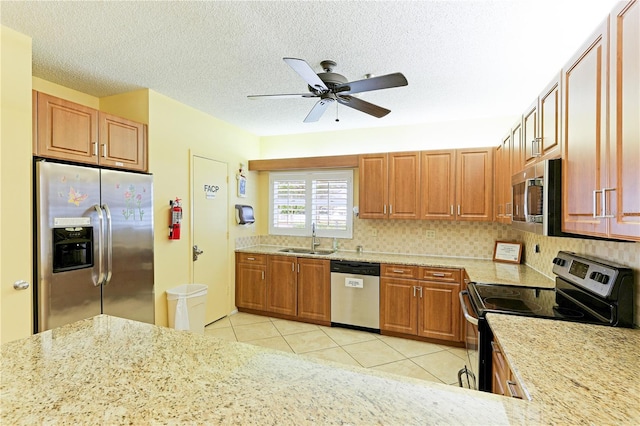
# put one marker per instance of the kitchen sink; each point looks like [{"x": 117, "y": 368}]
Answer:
[{"x": 307, "y": 251}]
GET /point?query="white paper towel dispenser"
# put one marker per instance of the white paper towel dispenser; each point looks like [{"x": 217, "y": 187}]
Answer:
[{"x": 244, "y": 214}]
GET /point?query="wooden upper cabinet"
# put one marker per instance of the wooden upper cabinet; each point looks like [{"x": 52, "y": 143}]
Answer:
[
  {"x": 502, "y": 181},
  {"x": 530, "y": 143},
  {"x": 585, "y": 135},
  {"x": 122, "y": 143},
  {"x": 404, "y": 185},
  {"x": 549, "y": 121},
  {"x": 623, "y": 188},
  {"x": 389, "y": 185},
  {"x": 474, "y": 184},
  {"x": 438, "y": 185},
  {"x": 541, "y": 125},
  {"x": 66, "y": 130},
  {"x": 374, "y": 192},
  {"x": 73, "y": 132},
  {"x": 517, "y": 148}
]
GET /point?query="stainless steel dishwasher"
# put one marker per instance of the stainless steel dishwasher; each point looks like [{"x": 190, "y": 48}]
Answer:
[{"x": 355, "y": 294}]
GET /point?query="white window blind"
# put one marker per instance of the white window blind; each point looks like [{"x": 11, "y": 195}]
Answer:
[{"x": 298, "y": 200}]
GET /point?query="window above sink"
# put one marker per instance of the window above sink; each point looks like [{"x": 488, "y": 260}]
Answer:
[{"x": 299, "y": 199}]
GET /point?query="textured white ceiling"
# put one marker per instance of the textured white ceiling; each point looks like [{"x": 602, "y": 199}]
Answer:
[{"x": 463, "y": 59}]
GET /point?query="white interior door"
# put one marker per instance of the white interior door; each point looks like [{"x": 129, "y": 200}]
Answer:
[{"x": 211, "y": 234}]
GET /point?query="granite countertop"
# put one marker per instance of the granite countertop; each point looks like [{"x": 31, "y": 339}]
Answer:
[
  {"x": 479, "y": 270},
  {"x": 108, "y": 370},
  {"x": 579, "y": 373}
]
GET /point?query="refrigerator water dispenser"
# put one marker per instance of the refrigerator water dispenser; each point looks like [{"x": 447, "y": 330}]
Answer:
[{"x": 72, "y": 248}]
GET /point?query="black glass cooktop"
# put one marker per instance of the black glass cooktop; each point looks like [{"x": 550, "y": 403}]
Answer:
[{"x": 528, "y": 301}]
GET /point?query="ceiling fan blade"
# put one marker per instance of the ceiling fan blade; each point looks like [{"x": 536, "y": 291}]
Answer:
[
  {"x": 373, "y": 83},
  {"x": 283, "y": 96},
  {"x": 364, "y": 106},
  {"x": 307, "y": 73},
  {"x": 318, "y": 109}
]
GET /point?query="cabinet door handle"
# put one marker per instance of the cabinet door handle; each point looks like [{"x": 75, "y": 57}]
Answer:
[
  {"x": 104, "y": 150},
  {"x": 595, "y": 198},
  {"x": 420, "y": 288},
  {"x": 263, "y": 275},
  {"x": 414, "y": 291},
  {"x": 390, "y": 209},
  {"x": 604, "y": 202},
  {"x": 298, "y": 268},
  {"x": 451, "y": 209},
  {"x": 95, "y": 148},
  {"x": 536, "y": 147},
  {"x": 293, "y": 267},
  {"x": 384, "y": 209},
  {"x": 458, "y": 209}
]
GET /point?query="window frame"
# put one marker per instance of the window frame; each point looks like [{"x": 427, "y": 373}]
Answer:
[{"x": 309, "y": 176}]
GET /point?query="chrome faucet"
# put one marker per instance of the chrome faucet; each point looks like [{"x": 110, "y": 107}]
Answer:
[{"x": 314, "y": 243}]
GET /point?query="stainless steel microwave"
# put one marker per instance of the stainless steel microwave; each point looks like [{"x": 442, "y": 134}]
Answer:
[{"x": 537, "y": 198}]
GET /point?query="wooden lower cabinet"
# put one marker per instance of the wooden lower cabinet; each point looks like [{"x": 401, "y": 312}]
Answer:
[
  {"x": 289, "y": 287},
  {"x": 418, "y": 307},
  {"x": 503, "y": 381},
  {"x": 314, "y": 289},
  {"x": 282, "y": 285},
  {"x": 251, "y": 281}
]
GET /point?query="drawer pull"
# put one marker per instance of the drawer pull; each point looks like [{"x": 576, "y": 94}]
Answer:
[
  {"x": 398, "y": 271},
  {"x": 251, "y": 258},
  {"x": 438, "y": 274}
]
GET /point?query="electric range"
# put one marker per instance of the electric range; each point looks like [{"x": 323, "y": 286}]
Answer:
[{"x": 587, "y": 290}]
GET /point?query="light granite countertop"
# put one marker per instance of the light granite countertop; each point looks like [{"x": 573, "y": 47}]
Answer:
[
  {"x": 579, "y": 373},
  {"x": 108, "y": 370},
  {"x": 479, "y": 270}
]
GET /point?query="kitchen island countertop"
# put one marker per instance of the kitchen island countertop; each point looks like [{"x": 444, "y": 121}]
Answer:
[
  {"x": 108, "y": 370},
  {"x": 580, "y": 373},
  {"x": 479, "y": 270}
]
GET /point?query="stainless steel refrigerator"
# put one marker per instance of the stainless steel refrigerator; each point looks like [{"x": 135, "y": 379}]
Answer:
[{"x": 94, "y": 244}]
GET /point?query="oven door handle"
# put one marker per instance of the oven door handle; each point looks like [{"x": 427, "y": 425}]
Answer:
[{"x": 467, "y": 316}]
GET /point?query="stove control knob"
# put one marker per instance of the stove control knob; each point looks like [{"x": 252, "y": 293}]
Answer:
[
  {"x": 559, "y": 261},
  {"x": 599, "y": 277}
]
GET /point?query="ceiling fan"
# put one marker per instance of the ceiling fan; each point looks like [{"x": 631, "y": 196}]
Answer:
[{"x": 332, "y": 87}]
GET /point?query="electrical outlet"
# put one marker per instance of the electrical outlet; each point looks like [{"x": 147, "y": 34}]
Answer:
[
  {"x": 374, "y": 232},
  {"x": 430, "y": 233}
]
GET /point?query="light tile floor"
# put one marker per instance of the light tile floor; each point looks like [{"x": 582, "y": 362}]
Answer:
[{"x": 421, "y": 360}]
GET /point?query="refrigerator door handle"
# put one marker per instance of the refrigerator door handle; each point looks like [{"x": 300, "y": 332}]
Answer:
[
  {"x": 109, "y": 245},
  {"x": 100, "y": 246}
]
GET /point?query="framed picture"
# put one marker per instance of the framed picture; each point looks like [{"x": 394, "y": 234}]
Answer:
[
  {"x": 242, "y": 186},
  {"x": 507, "y": 252}
]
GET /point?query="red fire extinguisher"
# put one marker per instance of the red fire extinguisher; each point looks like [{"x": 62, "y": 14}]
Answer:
[{"x": 176, "y": 218}]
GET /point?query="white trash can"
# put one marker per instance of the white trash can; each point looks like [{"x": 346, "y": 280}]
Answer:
[{"x": 186, "y": 305}]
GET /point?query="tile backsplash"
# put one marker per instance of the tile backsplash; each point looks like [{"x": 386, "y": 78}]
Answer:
[{"x": 464, "y": 239}]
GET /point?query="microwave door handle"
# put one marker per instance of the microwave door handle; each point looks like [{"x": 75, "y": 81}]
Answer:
[
  {"x": 465, "y": 312},
  {"x": 100, "y": 245},
  {"x": 109, "y": 234}
]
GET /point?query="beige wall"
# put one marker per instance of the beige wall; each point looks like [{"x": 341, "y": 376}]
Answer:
[
  {"x": 176, "y": 132},
  {"x": 15, "y": 184},
  {"x": 438, "y": 135}
]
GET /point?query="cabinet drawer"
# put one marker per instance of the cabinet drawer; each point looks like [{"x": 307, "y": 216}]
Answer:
[
  {"x": 258, "y": 259},
  {"x": 440, "y": 274},
  {"x": 398, "y": 271}
]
